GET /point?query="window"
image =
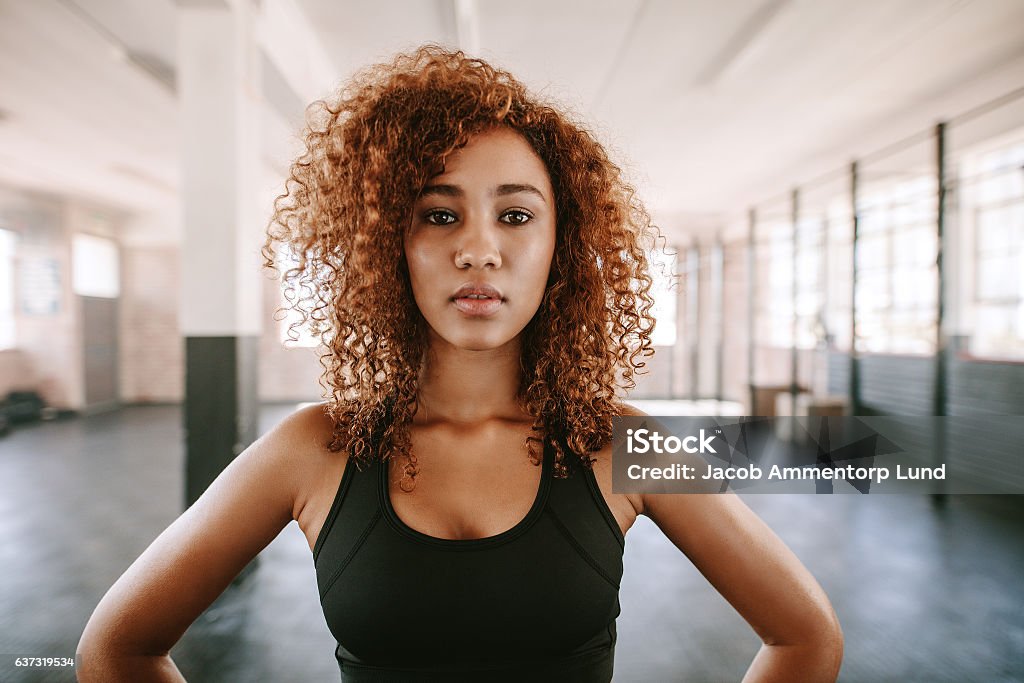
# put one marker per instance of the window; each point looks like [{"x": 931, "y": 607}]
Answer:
[
  {"x": 8, "y": 336},
  {"x": 897, "y": 279},
  {"x": 773, "y": 291},
  {"x": 839, "y": 279},
  {"x": 809, "y": 282},
  {"x": 993, "y": 195},
  {"x": 95, "y": 267},
  {"x": 777, "y": 273}
]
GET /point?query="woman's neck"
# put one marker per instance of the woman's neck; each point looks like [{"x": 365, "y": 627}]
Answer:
[{"x": 462, "y": 386}]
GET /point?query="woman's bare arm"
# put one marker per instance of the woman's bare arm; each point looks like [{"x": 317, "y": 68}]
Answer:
[
  {"x": 767, "y": 584},
  {"x": 182, "y": 572}
]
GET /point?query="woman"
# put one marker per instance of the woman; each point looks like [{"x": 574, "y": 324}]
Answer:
[{"x": 476, "y": 268}]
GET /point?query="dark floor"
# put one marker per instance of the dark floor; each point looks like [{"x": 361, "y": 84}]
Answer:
[{"x": 924, "y": 594}]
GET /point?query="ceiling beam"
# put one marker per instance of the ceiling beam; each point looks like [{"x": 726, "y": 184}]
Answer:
[
  {"x": 615, "y": 65},
  {"x": 292, "y": 45},
  {"x": 151, "y": 65},
  {"x": 735, "y": 50},
  {"x": 467, "y": 26}
]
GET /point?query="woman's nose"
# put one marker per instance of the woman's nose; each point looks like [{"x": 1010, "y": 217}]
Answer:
[{"x": 477, "y": 246}]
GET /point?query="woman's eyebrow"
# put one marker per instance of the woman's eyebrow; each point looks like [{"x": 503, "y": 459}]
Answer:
[
  {"x": 442, "y": 190},
  {"x": 515, "y": 188},
  {"x": 500, "y": 191}
]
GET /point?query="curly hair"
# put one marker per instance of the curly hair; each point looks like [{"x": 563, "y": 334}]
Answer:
[{"x": 345, "y": 208}]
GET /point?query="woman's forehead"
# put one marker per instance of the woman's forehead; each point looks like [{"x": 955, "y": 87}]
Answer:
[{"x": 497, "y": 157}]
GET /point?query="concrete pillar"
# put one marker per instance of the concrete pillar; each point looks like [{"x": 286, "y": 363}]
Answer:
[
  {"x": 219, "y": 94},
  {"x": 718, "y": 310},
  {"x": 693, "y": 317}
]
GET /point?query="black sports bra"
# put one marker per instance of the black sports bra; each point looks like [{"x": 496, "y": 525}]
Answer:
[{"x": 537, "y": 602}]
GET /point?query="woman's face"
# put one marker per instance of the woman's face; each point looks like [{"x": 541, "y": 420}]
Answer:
[{"x": 481, "y": 242}]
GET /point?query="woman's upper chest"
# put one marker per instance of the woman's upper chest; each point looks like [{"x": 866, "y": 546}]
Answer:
[{"x": 469, "y": 485}]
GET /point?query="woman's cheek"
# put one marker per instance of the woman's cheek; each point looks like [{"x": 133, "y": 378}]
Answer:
[
  {"x": 419, "y": 261},
  {"x": 539, "y": 263}
]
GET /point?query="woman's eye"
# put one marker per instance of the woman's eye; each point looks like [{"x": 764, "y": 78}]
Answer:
[
  {"x": 439, "y": 217},
  {"x": 516, "y": 217}
]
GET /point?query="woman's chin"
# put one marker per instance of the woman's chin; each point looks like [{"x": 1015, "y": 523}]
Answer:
[{"x": 478, "y": 341}]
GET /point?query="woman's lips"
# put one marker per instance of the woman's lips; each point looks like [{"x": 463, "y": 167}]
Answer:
[{"x": 477, "y": 307}]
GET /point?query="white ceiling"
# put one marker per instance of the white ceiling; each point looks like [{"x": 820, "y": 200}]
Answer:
[
  {"x": 79, "y": 118},
  {"x": 712, "y": 105}
]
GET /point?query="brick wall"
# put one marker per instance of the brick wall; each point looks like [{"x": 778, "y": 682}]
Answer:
[
  {"x": 152, "y": 349},
  {"x": 48, "y": 355}
]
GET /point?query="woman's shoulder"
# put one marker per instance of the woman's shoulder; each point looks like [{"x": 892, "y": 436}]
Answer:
[
  {"x": 303, "y": 437},
  {"x": 307, "y": 430},
  {"x": 622, "y": 409},
  {"x": 628, "y": 409}
]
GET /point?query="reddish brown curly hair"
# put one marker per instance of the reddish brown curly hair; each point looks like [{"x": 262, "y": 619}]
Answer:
[{"x": 348, "y": 200}]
